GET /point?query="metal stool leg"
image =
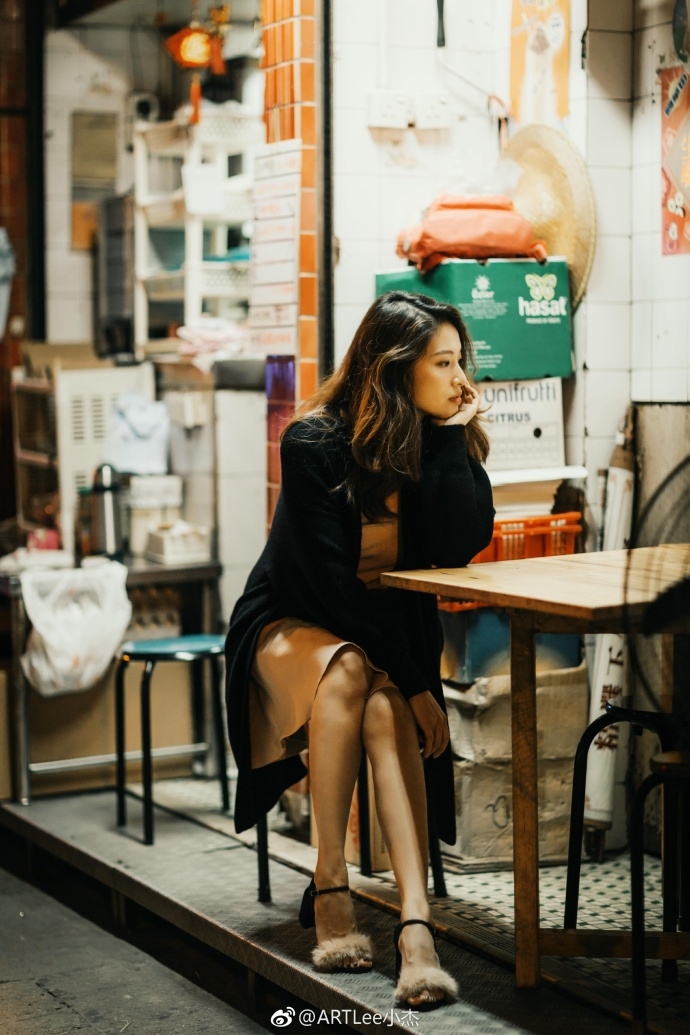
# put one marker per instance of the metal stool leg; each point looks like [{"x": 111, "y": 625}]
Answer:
[
  {"x": 262, "y": 852},
  {"x": 363, "y": 824},
  {"x": 435, "y": 859},
  {"x": 669, "y": 968},
  {"x": 637, "y": 903},
  {"x": 146, "y": 767},
  {"x": 120, "y": 743},
  {"x": 577, "y": 818},
  {"x": 656, "y": 722},
  {"x": 219, "y": 732}
]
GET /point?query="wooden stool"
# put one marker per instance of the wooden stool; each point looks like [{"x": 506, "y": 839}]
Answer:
[
  {"x": 671, "y": 770},
  {"x": 151, "y": 652}
]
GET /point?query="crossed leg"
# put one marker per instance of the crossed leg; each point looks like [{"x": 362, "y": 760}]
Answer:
[
  {"x": 335, "y": 749},
  {"x": 392, "y": 745}
]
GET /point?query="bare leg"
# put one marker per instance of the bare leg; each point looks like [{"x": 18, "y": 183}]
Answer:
[
  {"x": 391, "y": 742},
  {"x": 335, "y": 747}
]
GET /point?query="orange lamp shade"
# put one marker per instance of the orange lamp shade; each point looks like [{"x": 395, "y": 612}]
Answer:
[{"x": 190, "y": 47}]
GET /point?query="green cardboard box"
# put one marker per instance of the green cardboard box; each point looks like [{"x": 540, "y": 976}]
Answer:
[{"x": 517, "y": 311}]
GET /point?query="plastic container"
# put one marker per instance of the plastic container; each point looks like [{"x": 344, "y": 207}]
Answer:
[{"x": 514, "y": 539}]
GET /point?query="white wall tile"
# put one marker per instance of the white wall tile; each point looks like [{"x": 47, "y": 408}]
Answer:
[
  {"x": 232, "y": 583},
  {"x": 353, "y": 276},
  {"x": 609, "y": 65},
  {"x": 66, "y": 268},
  {"x": 642, "y": 249},
  {"x": 402, "y": 203},
  {"x": 574, "y": 450},
  {"x": 58, "y": 222},
  {"x": 608, "y": 337},
  {"x": 69, "y": 319},
  {"x": 616, "y": 15},
  {"x": 641, "y": 385},
  {"x": 652, "y": 12},
  {"x": 355, "y": 75},
  {"x": 580, "y": 333},
  {"x": 356, "y": 207},
  {"x": 354, "y": 148},
  {"x": 58, "y": 174},
  {"x": 669, "y": 386},
  {"x": 609, "y": 280},
  {"x": 646, "y": 191},
  {"x": 240, "y": 433},
  {"x": 607, "y": 396},
  {"x": 650, "y": 49},
  {"x": 670, "y": 273},
  {"x": 608, "y": 133},
  {"x": 641, "y": 344},
  {"x": 347, "y": 320},
  {"x": 612, "y": 197},
  {"x": 241, "y": 519},
  {"x": 670, "y": 321},
  {"x": 355, "y": 22},
  {"x": 575, "y": 124}
]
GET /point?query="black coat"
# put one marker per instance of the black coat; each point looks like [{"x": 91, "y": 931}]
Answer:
[{"x": 308, "y": 571}]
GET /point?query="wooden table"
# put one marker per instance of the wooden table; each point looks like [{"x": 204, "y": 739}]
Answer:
[{"x": 584, "y": 593}]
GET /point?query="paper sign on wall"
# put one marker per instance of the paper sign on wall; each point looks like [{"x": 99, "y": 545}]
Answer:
[
  {"x": 675, "y": 160},
  {"x": 539, "y": 60}
]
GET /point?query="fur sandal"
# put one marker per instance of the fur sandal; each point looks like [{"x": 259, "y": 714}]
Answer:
[
  {"x": 347, "y": 953},
  {"x": 419, "y": 980}
]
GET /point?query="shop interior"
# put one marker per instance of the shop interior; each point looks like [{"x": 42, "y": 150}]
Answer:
[{"x": 198, "y": 202}]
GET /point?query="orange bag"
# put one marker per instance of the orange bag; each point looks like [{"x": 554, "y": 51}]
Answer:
[{"x": 469, "y": 227}]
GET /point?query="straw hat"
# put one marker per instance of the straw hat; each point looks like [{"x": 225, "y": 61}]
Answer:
[{"x": 554, "y": 192}]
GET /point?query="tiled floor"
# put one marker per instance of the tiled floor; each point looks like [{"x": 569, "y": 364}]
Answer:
[{"x": 480, "y": 907}]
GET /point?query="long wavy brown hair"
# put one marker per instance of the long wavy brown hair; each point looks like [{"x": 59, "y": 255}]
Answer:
[{"x": 371, "y": 392}]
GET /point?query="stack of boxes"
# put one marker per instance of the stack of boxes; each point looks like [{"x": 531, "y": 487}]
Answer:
[{"x": 518, "y": 315}]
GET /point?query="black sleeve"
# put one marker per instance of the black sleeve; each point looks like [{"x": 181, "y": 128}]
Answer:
[
  {"x": 324, "y": 554},
  {"x": 457, "y": 504}
]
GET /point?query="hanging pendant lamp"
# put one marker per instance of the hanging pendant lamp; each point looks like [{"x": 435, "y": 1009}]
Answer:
[{"x": 200, "y": 45}]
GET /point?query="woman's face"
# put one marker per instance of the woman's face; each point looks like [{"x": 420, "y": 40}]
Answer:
[{"x": 437, "y": 377}]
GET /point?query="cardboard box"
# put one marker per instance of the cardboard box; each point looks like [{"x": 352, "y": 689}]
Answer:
[
  {"x": 479, "y": 718},
  {"x": 484, "y": 806},
  {"x": 380, "y": 859},
  {"x": 517, "y": 311},
  {"x": 477, "y": 643},
  {"x": 524, "y": 421}
]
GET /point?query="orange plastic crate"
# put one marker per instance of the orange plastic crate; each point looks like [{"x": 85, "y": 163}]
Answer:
[
  {"x": 542, "y": 536},
  {"x": 545, "y": 535}
]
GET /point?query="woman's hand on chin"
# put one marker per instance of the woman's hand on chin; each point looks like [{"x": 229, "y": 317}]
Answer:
[{"x": 471, "y": 397}]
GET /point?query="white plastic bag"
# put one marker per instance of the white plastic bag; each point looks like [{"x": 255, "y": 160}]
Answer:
[{"x": 79, "y": 617}]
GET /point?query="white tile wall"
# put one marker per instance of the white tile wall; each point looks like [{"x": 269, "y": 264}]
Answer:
[
  {"x": 609, "y": 280},
  {"x": 669, "y": 386},
  {"x": 609, "y": 65},
  {"x": 607, "y": 394},
  {"x": 608, "y": 337},
  {"x": 652, "y": 12},
  {"x": 614, "y": 15},
  {"x": 612, "y": 198},
  {"x": 608, "y": 133},
  {"x": 641, "y": 343},
  {"x": 670, "y": 334}
]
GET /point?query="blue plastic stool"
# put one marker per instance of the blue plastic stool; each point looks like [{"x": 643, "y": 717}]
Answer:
[{"x": 178, "y": 648}]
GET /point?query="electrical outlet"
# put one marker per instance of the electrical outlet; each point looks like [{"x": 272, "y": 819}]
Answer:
[
  {"x": 389, "y": 109},
  {"x": 433, "y": 111}
]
